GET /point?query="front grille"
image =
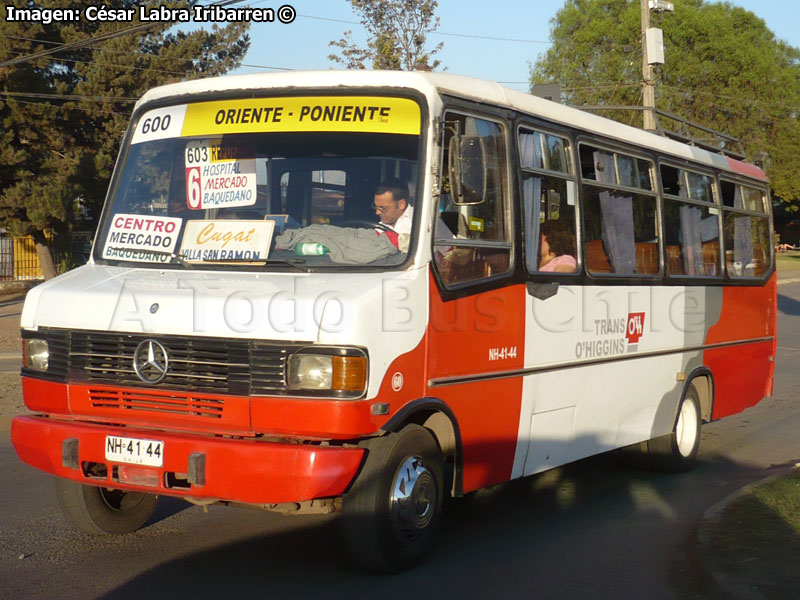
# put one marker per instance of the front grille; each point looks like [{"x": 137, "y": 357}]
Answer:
[
  {"x": 193, "y": 364},
  {"x": 207, "y": 365},
  {"x": 267, "y": 372},
  {"x": 162, "y": 402}
]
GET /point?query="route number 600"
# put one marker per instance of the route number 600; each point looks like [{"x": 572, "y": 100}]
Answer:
[{"x": 157, "y": 123}]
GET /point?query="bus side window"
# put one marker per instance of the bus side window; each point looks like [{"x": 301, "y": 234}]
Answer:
[
  {"x": 745, "y": 227},
  {"x": 620, "y": 215},
  {"x": 473, "y": 242},
  {"x": 691, "y": 223},
  {"x": 549, "y": 203}
]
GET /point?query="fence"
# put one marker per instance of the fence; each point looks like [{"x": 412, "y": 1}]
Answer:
[
  {"x": 6, "y": 258},
  {"x": 19, "y": 260}
]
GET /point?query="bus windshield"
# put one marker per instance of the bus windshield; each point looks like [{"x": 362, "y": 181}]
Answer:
[{"x": 241, "y": 198}]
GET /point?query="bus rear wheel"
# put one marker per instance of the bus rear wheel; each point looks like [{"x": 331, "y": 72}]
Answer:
[
  {"x": 100, "y": 510},
  {"x": 393, "y": 511},
  {"x": 677, "y": 451}
]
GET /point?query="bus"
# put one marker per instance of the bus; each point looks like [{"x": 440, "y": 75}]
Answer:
[{"x": 366, "y": 292}]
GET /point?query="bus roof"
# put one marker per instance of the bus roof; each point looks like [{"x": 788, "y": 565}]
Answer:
[{"x": 434, "y": 84}]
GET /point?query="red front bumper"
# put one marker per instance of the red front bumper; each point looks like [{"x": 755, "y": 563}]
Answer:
[{"x": 239, "y": 470}]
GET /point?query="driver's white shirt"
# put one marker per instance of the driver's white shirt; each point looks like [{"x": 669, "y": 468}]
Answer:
[{"x": 403, "y": 224}]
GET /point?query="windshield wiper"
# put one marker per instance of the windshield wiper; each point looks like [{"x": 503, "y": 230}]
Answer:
[
  {"x": 294, "y": 263},
  {"x": 174, "y": 258}
]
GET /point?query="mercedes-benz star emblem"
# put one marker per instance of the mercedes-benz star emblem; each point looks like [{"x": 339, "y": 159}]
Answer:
[{"x": 150, "y": 361}]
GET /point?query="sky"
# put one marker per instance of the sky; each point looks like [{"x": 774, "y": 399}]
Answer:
[{"x": 523, "y": 27}]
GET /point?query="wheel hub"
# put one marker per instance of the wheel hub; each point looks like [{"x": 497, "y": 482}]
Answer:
[
  {"x": 414, "y": 497},
  {"x": 686, "y": 428}
]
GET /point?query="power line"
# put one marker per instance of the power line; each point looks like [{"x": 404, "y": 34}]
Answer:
[
  {"x": 685, "y": 91},
  {"x": 150, "y": 69},
  {"x": 149, "y": 57},
  {"x": 68, "y": 108},
  {"x": 743, "y": 102},
  {"x": 91, "y": 46},
  {"x": 738, "y": 99},
  {"x": 66, "y": 97},
  {"x": 77, "y": 45},
  {"x": 130, "y": 67},
  {"x": 464, "y": 35},
  {"x": 726, "y": 108},
  {"x": 587, "y": 87},
  {"x": 329, "y": 19},
  {"x": 608, "y": 86},
  {"x": 489, "y": 37},
  {"x": 27, "y": 39},
  {"x": 267, "y": 67}
]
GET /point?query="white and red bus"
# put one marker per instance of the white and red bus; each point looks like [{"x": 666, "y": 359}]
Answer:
[{"x": 247, "y": 332}]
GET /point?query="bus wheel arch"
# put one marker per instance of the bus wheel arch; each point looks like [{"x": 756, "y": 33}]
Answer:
[
  {"x": 434, "y": 415},
  {"x": 703, "y": 382}
]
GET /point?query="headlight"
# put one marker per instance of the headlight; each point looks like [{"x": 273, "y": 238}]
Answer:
[
  {"x": 35, "y": 354},
  {"x": 343, "y": 372},
  {"x": 310, "y": 372}
]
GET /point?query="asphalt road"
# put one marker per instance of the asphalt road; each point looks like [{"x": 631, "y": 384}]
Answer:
[
  {"x": 9, "y": 362},
  {"x": 601, "y": 528}
]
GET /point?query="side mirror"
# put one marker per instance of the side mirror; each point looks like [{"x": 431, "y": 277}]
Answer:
[{"x": 467, "y": 169}]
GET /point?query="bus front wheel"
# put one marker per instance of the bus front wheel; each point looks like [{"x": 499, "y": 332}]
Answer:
[
  {"x": 393, "y": 511},
  {"x": 100, "y": 510},
  {"x": 676, "y": 452}
]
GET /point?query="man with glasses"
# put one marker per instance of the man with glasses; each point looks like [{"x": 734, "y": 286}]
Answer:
[{"x": 392, "y": 207}]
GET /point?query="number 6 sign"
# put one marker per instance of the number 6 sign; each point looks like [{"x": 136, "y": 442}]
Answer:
[{"x": 194, "y": 191}]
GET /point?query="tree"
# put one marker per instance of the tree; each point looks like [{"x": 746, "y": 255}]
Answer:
[
  {"x": 724, "y": 69},
  {"x": 63, "y": 116},
  {"x": 397, "y": 32}
]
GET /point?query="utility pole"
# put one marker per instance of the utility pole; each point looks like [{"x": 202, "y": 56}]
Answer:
[
  {"x": 652, "y": 54},
  {"x": 648, "y": 75}
]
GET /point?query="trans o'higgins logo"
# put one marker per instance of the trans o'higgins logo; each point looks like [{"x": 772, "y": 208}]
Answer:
[
  {"x": 613, "y": 337},
  {"x": 635, "y": 327}
]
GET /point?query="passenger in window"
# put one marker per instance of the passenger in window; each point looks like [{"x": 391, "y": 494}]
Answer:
[
  {"x": 392, "y": 207},
  {"x": 557, "y": 248}
]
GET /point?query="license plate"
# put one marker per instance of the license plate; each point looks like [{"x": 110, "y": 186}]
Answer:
[{"x": 135, "y": 451}]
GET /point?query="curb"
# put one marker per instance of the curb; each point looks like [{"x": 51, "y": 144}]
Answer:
[
  {"x": 732, "y": 586},
  {"x": 18, "y": 286}
]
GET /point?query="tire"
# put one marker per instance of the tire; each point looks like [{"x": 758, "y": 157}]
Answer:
[
  {"x": 676, "y": 452},
  {"x": 100, "y": 510},
  {"x": 392, "y": 513}
]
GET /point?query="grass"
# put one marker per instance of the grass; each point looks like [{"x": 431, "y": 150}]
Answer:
[
  {"x": 788, "y": 261},
  {"x": 757, "y": 539}
]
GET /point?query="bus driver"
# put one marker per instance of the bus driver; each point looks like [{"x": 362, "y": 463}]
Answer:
[{"x": 392, "y": 207}]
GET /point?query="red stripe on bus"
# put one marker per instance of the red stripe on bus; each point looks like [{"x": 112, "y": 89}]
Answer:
[
  {"x": 742, "y": 372},
  {"x": 478, "y": 334},
  {"x": 746, "y": 169}
]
